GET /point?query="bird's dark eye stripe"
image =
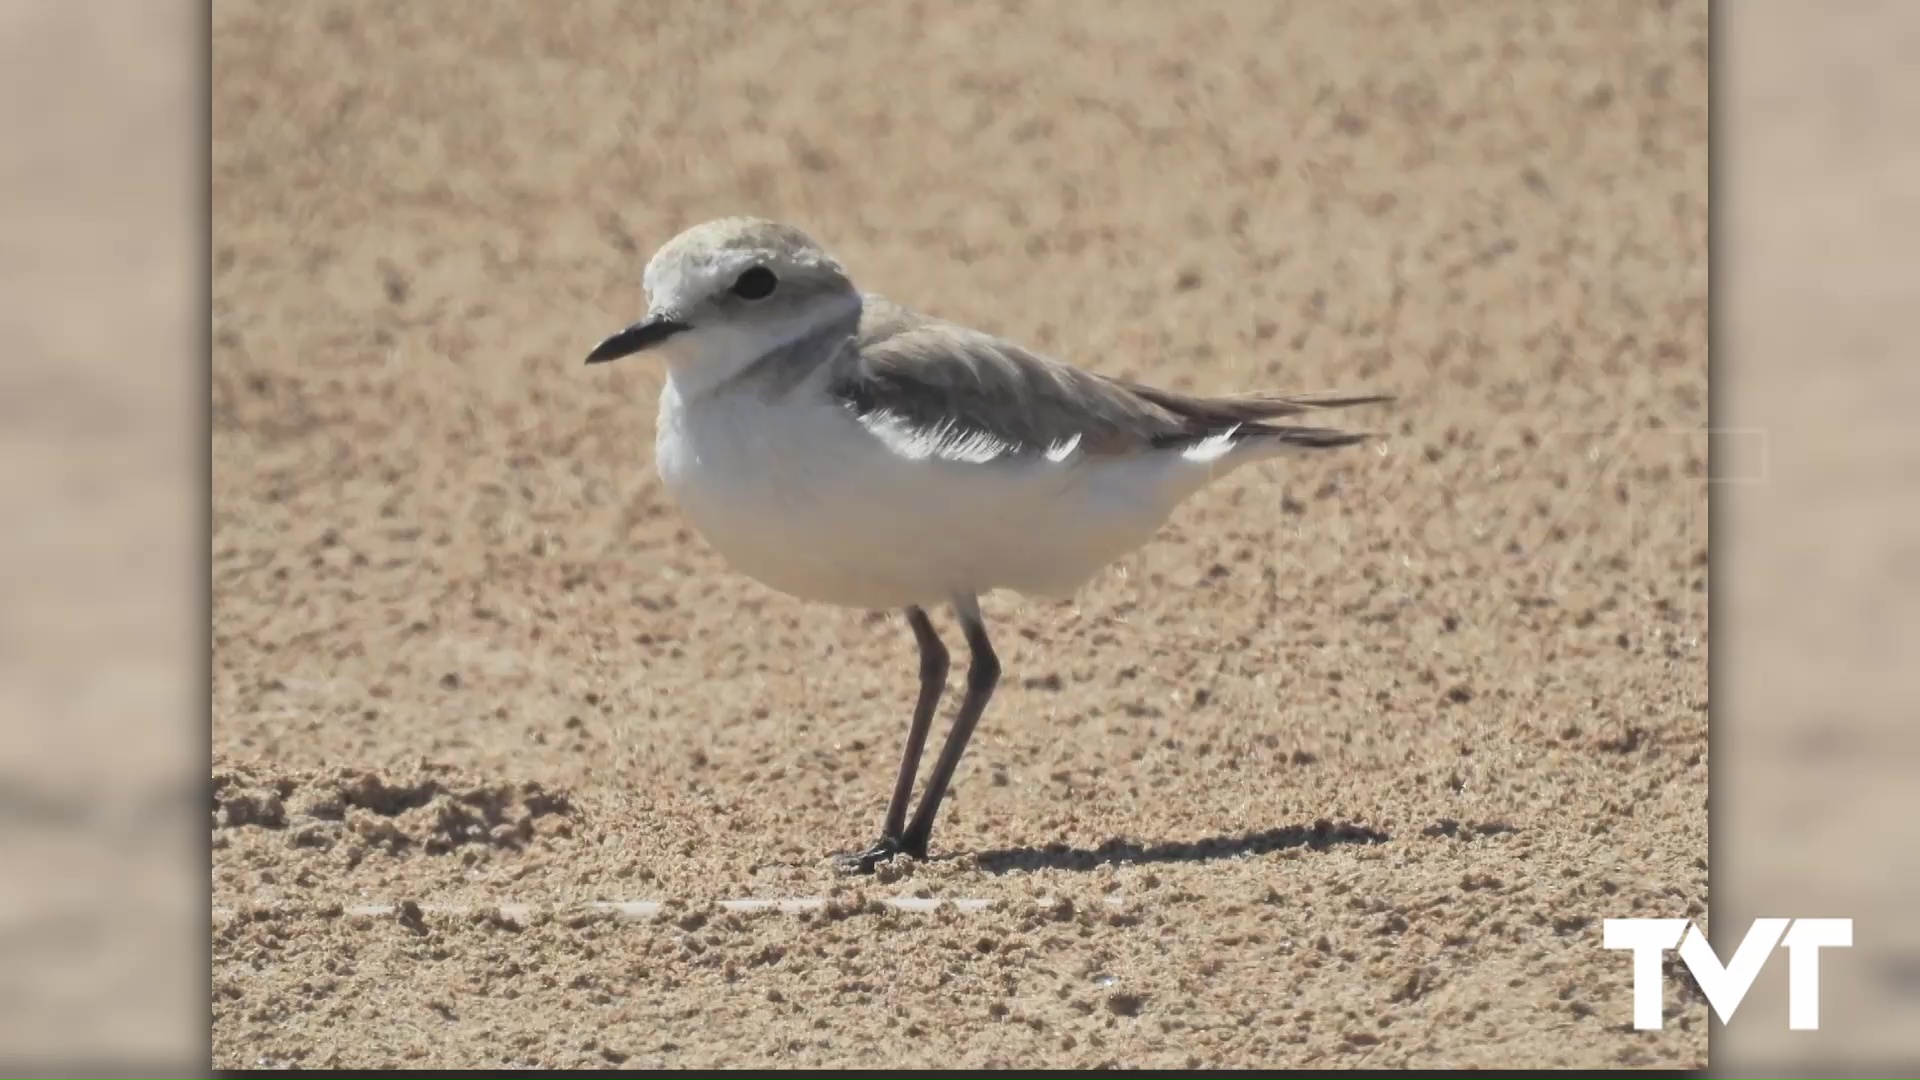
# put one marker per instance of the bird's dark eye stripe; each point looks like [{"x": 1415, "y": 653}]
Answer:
[{"x": 756, "y": 283}]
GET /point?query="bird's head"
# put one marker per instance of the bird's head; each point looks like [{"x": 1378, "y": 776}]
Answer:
[{"x": 724, "y": 294}]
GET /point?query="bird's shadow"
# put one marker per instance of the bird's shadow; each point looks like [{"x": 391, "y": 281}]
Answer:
[{"x": 1317, "y": 837}]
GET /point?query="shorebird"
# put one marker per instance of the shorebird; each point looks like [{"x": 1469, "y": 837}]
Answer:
[{"x": 841, "y": 448}]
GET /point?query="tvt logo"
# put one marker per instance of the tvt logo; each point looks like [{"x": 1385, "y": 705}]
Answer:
[{"x": 1727, "y": 985}]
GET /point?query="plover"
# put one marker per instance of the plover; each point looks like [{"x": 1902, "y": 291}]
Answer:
[{"x": 844, "y": 449}]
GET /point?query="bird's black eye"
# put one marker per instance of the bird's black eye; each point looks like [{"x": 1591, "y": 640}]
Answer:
[{"x": 756, "y": 283}]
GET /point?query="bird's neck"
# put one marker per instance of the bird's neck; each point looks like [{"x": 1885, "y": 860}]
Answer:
[{"x": 729, "y": 359}]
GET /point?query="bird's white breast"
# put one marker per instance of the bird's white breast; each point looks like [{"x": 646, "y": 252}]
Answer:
[{"x": 798, "y": 494}]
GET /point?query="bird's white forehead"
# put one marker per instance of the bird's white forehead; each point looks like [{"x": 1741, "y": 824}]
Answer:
[
  {"x": 683, "y": 280},
  {"x": 700, "y": 260}
]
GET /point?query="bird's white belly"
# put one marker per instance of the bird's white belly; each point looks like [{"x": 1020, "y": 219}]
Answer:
[{"x": 805, "y": 499}]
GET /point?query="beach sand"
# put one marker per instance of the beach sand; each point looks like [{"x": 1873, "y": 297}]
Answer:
[{"x": 1345, "y": 769}]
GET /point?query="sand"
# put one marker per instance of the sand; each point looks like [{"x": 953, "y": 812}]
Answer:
[{"x": 1345, "y": 769}]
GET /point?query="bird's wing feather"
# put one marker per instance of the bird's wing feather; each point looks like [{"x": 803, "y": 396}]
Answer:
[{"x": 949, "y": 391}]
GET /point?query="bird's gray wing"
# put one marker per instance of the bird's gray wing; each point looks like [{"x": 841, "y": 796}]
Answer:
[
  {"x": 954, "y": 392},
  {"x": 934, "y": 388}
]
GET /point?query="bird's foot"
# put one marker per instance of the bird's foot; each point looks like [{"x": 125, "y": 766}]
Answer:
[{"x": 885, "y": 849}]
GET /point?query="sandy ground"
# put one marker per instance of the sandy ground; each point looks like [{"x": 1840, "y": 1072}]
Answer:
[{"x": 1345, "y": 769}]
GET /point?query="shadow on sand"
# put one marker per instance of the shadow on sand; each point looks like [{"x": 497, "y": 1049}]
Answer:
[{"x": 1319, "y": 836}]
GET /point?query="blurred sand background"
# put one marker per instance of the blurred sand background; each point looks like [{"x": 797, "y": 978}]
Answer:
[
  {"x": 102, "y": 575},
  {"x": 425, "y": 225},
  {"x": 1817, "y": 685}
]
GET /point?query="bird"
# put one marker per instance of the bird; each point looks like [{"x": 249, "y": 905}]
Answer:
[{"x": 847, "y": 450}]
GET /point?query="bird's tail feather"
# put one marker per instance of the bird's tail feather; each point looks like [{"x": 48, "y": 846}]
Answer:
[
  {"x": 1244, "y": 421},
  {"x": 1215, "y": 413},
  {"x": 1305, "y": 438}
]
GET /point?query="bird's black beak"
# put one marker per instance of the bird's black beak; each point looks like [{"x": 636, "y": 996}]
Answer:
[{"x": 639, "y": 337}]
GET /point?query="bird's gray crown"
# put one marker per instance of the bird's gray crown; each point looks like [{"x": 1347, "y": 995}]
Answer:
[{"x": 707, "y": 258}]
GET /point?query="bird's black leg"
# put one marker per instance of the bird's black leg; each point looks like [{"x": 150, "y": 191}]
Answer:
[
  {"x": 933, "y": 680},
  {"x": 982, "y": 673}
]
